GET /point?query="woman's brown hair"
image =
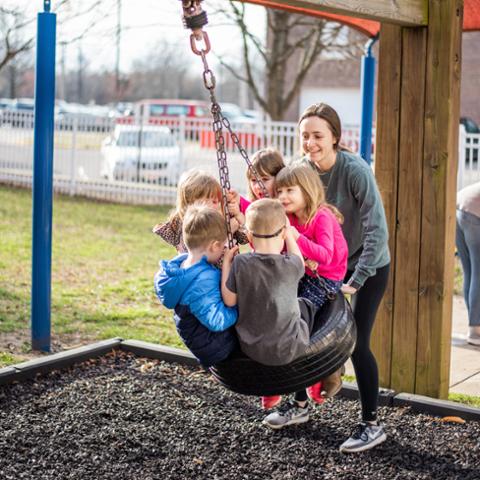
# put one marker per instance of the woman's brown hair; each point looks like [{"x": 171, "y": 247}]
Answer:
[{"x": 329, "y": 114}]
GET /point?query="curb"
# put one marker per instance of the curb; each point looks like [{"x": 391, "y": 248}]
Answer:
[
  {"x": 433, "y": 406},
  {"x": 388, "y": 398},
  {"x": 385, "y": 395},
  {"x": 29, "y": 369},
  {"x": 159, "y": 352}
]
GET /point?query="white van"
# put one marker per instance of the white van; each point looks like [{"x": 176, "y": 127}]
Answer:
[{"x": 147, "y": 153}]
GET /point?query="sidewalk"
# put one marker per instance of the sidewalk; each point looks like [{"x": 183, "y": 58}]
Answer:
[{"x": 465, "y": 358}]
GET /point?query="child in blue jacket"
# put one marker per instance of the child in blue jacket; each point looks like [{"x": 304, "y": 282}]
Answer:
[{"x": 190, "y": 285}]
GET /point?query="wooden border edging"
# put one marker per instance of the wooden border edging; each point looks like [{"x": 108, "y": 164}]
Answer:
[
  {"x": 159, "y": 352},
  {"x": 385, "y": 396},
  {"x": 433, "y": 406},
  {"x": 65, "y": 359},
  {"x": 22, "y": 371}
]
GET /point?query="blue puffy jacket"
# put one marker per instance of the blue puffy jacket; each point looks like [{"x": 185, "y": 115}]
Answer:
[{"x": 203, "y": 321}]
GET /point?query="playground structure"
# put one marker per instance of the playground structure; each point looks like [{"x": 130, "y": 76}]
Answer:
[{"x": 416, "y": 152}]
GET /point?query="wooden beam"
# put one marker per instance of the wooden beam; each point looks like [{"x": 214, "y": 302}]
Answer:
[
  {"x": 416, "y": 164},
  {"x": 403, "y": 12},
  {"x": 442, "y": 107},
  {"x": 409, "y": 211},
  {"x": 386, "y": 173}
]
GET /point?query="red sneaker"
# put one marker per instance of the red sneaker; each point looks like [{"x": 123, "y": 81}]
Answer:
[
  {"x": 270, "y": 402},
  {"x": 315, "y": 393}
]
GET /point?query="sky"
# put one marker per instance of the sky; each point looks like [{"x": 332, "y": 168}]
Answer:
[{"x": 145, "y": 23}]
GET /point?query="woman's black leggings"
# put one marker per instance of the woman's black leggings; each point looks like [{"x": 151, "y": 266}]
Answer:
[{"x": 365, "y": 304}]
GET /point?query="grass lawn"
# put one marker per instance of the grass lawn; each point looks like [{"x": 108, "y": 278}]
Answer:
[{"x": 103, "y": 261}]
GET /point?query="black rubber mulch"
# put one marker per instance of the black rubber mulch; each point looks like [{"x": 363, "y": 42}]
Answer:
[{"x": 122, "y": 417}]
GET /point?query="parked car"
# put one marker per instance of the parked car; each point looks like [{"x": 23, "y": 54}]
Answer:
[
  {"x": 153, "y": 111},
  {"x": 235, "y": 114},
  {"x": 18, "y": 113},
  {"x": 5, "y": 103},
  {"x": 141, "y": 153},
  {"x": 87, "y": 118}
]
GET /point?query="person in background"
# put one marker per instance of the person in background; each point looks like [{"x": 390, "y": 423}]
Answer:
[{"x": 467, "y": 240}]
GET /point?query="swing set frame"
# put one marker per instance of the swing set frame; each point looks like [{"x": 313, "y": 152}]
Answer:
[{"x": 417, "y": 109}]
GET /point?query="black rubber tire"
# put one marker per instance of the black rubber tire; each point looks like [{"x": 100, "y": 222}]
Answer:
[{"x": 332, "y": 343}]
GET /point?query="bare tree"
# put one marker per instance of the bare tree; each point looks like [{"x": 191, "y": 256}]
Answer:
[
  {"x": 292, "y": 46},
  {"x": 16, "y": 29}
]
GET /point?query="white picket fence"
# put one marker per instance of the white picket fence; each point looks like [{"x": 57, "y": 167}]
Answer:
[{"x": 132, "y": 168}]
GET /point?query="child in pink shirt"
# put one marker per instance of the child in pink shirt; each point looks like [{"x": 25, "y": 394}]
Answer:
[{"x": 317, "y": 231}]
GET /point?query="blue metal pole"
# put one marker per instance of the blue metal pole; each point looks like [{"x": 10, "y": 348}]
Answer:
[
  {"x": 368, "y": 95},
  {"x": 43, "y": 179}
]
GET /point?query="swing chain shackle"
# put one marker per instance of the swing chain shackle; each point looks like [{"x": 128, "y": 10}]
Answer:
[{"x": 195, "y": 19}]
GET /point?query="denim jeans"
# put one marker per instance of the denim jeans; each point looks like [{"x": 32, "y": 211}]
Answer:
[{"x": 468, "y": 246}]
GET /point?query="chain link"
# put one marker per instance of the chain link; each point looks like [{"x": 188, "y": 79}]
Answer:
[{"x": 219, "y": 122}]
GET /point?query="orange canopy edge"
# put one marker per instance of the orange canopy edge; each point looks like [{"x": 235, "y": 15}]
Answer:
[{"x": 471, "y": 16}]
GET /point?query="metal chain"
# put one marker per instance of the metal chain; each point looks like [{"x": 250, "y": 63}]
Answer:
[
  {"x": 192, "y": 7},
  {"x": 209, "y": 82}
]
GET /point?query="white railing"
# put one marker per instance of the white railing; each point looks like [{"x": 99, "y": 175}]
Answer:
[
  {"x": 140, "y": 163},
  {"x": 468, "y": 159}
]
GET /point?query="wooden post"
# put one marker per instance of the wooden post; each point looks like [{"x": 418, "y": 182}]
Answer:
[
  {"x": 416, "y": 171},
  {"x": 386, "y": 173},
  {"x": 440, "y": 161}
]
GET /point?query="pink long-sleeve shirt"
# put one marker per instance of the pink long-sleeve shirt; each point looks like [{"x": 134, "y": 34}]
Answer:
[
  {"x": 322, "y": 240},
  {"x": 244, "y": 203}
]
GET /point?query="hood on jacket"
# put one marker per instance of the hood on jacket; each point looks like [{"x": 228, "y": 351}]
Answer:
[{"x": 172, "y": 280}]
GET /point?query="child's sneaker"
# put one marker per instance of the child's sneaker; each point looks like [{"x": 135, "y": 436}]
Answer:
[
  {"x": 315, "y": 393},
  {"x": 271, "y": 402},
  {"x": 332, "y": 384},
  {"x": 288, "y": 414}
]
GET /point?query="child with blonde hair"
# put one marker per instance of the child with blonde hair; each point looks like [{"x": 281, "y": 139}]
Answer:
[
  {"x": 195, "y": 186},
  {"x": 316, "y": 228}
]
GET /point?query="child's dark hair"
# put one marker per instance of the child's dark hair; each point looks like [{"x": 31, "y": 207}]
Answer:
[{"x": 267, "y": 162}]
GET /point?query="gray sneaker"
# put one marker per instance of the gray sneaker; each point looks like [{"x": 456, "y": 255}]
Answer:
[
  {"x": 287, "y": 414},
  {"x": 364, "y": 437}
]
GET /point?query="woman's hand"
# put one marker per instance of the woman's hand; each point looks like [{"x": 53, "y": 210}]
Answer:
[{"x": 348, "y": 289}]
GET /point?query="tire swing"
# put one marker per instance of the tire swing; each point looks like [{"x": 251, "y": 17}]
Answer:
[{"x": 334, "y": 332}]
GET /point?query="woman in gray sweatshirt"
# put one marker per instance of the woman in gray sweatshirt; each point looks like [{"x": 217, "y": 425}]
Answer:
[{"x": 350, "y": 185}]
